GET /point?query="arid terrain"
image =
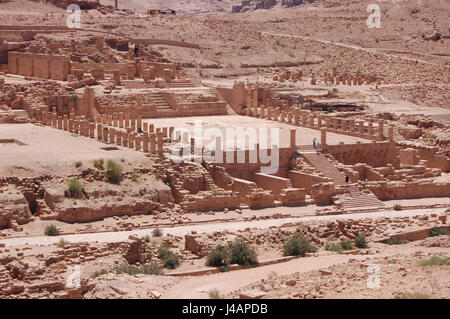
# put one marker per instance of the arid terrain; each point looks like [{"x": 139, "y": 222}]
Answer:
[{"x": 225, "y": 149}]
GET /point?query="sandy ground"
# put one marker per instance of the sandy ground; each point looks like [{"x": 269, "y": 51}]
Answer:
[
  {"x": 205, "y": 124},
  {"x": 48, "y": 148}
]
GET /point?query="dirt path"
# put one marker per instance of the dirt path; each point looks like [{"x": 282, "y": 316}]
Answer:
[
  {"x": 349, "y": 46},
  {"x": 205, "y": 228}
]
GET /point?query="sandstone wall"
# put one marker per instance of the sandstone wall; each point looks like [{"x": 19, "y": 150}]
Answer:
[
  {"x": 406, "y": 190},
  {"x": 55, "y": 67}
]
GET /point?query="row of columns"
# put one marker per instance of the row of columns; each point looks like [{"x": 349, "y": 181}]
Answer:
[
  {"x": 151, "y": 140},
  {"x": 299, "y": 117}
]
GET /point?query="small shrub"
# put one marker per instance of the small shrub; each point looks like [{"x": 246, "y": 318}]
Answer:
[
  {"x": 391, "y": 261},
  {"x": 396, "y": 241},
  {"x": 168, "y": 258},
  {"x": 333, "y": 247},
  {"x": 242, "y": 254},
  {"x": 146, "y": 238},
  {"x": 214, "y": 294},
  {"x": 135, "y": 176},
  {"x": 218, "y": 256},
  {"x": 62, "y": 243},
  {"x": 436, "y": 261},
  {"x": 51, "y": 230},
  {"x": 439, "y": 231},
  {"x": 346, "y": 244},
  {"x": 298, "y": 246},
  {"x": 75, "y": 187},
  {"x": 99, "y": 273},
  {"x": 171, "y": 261},
  {"x": 157, "y": 232},
  {"x": 448, "y": 210},
  {"x": 335, "y": 90},
  {"x": 113, "y": 173},
  {"x": 78, "y": 164},
  {"x": 147, "y": 269},
  {"x": 98, "y": 164},
  {"x": 360, "y": 241},
  {"x": 157, "y": 175},
  {"x": 413, "y": 295},
  {"x": 398, "y": 207}
]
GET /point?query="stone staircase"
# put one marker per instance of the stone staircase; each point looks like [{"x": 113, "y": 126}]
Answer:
[
  {"x": 181, "y": 83},
  {"x": 356, "y": 199},
  {"x": 325, "y": 166},
  {"x": 158, "y": 100}
]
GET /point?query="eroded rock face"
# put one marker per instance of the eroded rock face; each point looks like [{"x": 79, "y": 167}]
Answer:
[
  {"x": 101, "y": 200},
  {"x": 14, "y": 208}
]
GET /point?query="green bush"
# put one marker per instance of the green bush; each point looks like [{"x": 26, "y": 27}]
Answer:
[
  {"x": 78, "y": 164},
  {"x": 448, "y": 210},
  {"x": 62, "y": 243},
  {"x": 135, "y": 176},
  {"x": 75, "y": 187},
  {"x": 113, "y": 173},
  {"x": 147, "y": 269},
  {"x": 242, "y": 254},
  {"x": 413, "y": 295},
  {"x": 51, "y": 230},
  {"x": 346, "y": 244},
  {"x": 157, "y": 232},
  {"x": 218, "y": 256},
  {"x": 333, "y": 247},
  {"x": 98, "y": 164},
  {"x": 436, "y": 261},
  {"x": 146, "y": 238},
  {"x": 439, "y": 231},
  {"x": 360, "y": 241},
  {"x": 99, "y": 273},
  {"x": 396, "y": 241},
  {"x": 298, "y": 246},
  {"x": 168, "y": 258},
  {"x": 214, "y": 294},
  {"x": 398, "y": 207}
]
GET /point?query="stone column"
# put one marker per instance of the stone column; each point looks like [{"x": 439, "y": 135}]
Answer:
[
  {"x": 269, "y": 113},
  {"x": 391, "y": 133},
  {"x": 65, "y": 123},
  {"x": 99, "y": 131},
  {"x": 116, "y": 120},
  {"x": 130, "y": 140},
  {"x": 293, "y": 137},
  {"x": 145, "y": 127},
  {"x": 112, "y": 135},
  {"x": 381, "y": 128},
  {"x": 137, "y": 143},
  {"x": 323, "y": 138},
  {"x": 361, "y": 127},
  {"x": 289, "y": 117},
  {"x": 371, "y": 127},
  {"x": 152, "y": 128},
  {"x": 127, "y": 119},
  {"x": 60, "y": 122},
  {"x": 76, "y": 126},
  {"x": 119, "y": 137},
  {"x": 110, "y": 120},
  {"x": 139, "y": 122},
  {"x": 145, "y": 141},
  {"x": 121, "y": 120},
  {"x": 105, "y": 134},
  {"x": 153, "y": 142},
  {"x": 125, "y": 139},
  {"x": 276, "y": 114},
  {"x": 160, "y": 147}
]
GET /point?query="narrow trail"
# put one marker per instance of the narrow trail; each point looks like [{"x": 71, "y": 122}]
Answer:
[
  {"x": 105, "y": 237},
  {"x": 349, "y": 46}
]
